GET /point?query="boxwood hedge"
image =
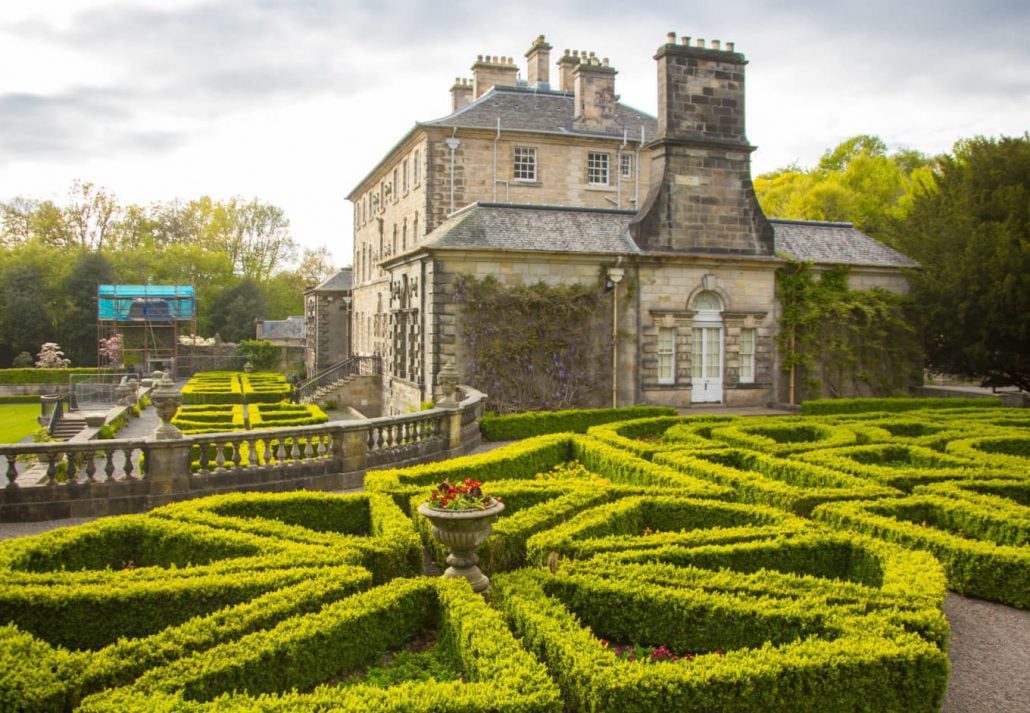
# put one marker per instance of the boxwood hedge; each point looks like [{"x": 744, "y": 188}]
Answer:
[
  {"x": 817, "y": 407},
  {"x": 983, "y": 549},
  {"x": 537, "y": 423},
  {"x": 740, "y": 651},
  {"x": 293, "y": 665}
]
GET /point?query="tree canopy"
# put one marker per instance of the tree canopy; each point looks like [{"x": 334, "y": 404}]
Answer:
[
  {"x": 971, "y": 234},
  {"x": 858, "y": 181},
  {"x": 53, "y": 254}
]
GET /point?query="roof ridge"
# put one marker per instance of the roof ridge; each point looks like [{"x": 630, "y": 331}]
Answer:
[{"x": 798, "y": 221}]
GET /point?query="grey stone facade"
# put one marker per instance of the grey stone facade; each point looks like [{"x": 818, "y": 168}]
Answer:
[{"x": 327, "y": 322}]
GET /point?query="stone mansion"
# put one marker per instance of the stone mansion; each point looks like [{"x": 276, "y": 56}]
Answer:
[{"x": 554, "y": 180}]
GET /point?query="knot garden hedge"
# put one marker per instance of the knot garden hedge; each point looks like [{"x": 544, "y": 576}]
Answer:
[{"x": 709, "y": 564}]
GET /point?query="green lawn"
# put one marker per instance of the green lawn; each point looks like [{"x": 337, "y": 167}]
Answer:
[{"x": 17, "y": 421}]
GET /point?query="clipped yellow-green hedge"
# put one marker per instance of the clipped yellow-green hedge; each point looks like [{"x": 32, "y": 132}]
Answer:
[
  {"x": 263, "y": 387},
  {"x": 901, "y": 466},
  {"x": 39, "y": 676},
  {"x": 282, "y": 668},
  {"x": 209, "y": 418},
  {"x": 762, "y": 479},
  {"x": 818, "y": 407},
  {"x": 370, "y": 526},
  {"x": 511, "y": 427},
  {"x": 1002, "y": 493},
  {"x": 984, "y": 549},
  {"x": 644, "y": 437},
  {"x": 1009, "y": 452},
  {"x": 783, "y": 436},
  {"x": 658, "y": 521},
  {"x": 748, "y": 652},
  {"x": 284, "y": 415}
]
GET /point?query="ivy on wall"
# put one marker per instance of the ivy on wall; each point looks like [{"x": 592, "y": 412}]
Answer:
[
  {"x": 843, "y": 342},
  {"x": 536, "y": 347}
]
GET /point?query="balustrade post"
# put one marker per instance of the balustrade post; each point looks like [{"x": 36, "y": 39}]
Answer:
[
  {"x": 353, "y": 445},
  {"x": 168, "y": 456}
]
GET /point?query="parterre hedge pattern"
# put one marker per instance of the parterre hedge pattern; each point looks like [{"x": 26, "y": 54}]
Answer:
[{"x": 710, "y": 564}]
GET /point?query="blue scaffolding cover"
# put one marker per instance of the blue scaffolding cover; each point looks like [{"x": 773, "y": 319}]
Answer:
[{"x": 145, "y": 303}]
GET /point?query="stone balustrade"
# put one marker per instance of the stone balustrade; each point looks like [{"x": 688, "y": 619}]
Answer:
[{"x": 88, "y": 478}]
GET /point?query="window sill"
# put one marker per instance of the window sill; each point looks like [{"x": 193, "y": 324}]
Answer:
[
  {"x": 528, "y": 184},
  {"x": 600, "y": 189}
]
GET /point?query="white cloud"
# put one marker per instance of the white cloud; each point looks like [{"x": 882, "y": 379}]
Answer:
[{"x": 294, "y": 102}]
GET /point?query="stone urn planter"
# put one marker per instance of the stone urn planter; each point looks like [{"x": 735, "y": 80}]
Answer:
[{"x": 463, "y": 532}]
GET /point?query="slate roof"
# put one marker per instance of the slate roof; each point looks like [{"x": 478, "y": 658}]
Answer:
[
  {"x": 525, "y": 109},
  {"x": 502, "y": 226},
  {"x": 496, "y": 226},
  {"x": 834, "y": 243},
  {"x": 340, "y": 281},
  {"x": 282, "y": 329}
]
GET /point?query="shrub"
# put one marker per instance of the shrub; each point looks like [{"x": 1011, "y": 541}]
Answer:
[
  {"x": 40, "y": 676},
  {"x": 654, "y": 522},
  {"x": 783, "y": 436},
  {"x": 308, "y": 650},
  {"x": 644, "y": 437},
  {"x": 511, "y": 427},
  {"x": 817, "y": 407},
  {"x": 741, "y": 650},
  {"x": 284, "y": 415},
  {"x": 983, "y": 549},
  {"x": 1009, "y": 452},
  {"x": 24, "y": 360},
  {"x": 370, "y": 526},
  {"x": 897, "y": 465},
  {"x": 766, "y": 480},
  {"x": 87, "y": 586},
  {"x": 1001, "y": 493},
  {"x": 262, "y": 354},
  {"x": 45, "y": 376}
]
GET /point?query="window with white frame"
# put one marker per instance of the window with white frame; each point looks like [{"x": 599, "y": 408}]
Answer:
[
  {"x": 524, "y": 168},
  {"x": 667, "y": 355},
  {"x": 627, "y": 165},
  {"x": 747, "y": 356},
  {"x": 598, "y": 165}
]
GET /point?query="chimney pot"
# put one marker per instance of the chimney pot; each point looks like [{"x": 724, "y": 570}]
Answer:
[
  {"x": 575, "y": 53},
  {"x": 715, "y": 44},
  {"x": 479, "y": 58},
  {"x": 685, "y": 40},
  {"x": 700, "y": 43},
  {"x": 670, "y": 38},
  {"x": 730, "y": 46}
]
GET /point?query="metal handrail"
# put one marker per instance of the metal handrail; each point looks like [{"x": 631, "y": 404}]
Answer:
[{"x": 355, "y": 365}]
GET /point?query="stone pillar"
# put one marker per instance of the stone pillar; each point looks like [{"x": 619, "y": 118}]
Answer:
[
  {"x": 168, "y": 455},
  {"x": 353, "y": 445}
]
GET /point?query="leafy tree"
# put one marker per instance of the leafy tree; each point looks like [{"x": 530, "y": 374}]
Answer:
[
  {"x": 77, "y": 318},
  {"x": 261, "y": 354},
  {"x": 236, "y": 309},
  {"x": 856, "y": 182},
  {"x": 23, "y": 293},
  {"x": 315, "y": 266},
  {"x": 972, "y": 237},
  {"x": 91, "y": 214},
  {"x": 24, "y": 360}
]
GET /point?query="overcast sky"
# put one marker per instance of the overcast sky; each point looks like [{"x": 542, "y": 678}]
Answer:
[{"x": 293, "y": 101}]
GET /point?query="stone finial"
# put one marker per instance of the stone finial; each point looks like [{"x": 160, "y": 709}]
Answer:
[
  {"x": 166, "y": 399},
  {"x": 447, "y": 379}
]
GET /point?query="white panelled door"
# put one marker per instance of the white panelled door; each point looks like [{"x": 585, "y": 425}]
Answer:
[{"x": 706, "y": 364}]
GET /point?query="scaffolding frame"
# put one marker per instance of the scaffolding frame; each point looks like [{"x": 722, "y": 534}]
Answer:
[{"x": 150, "y": 319}]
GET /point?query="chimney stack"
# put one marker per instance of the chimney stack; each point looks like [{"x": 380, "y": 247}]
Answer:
[
  {"x": 489, "y": 71},
  {"x": 594, "y": 83},
  {"x": 537, "y": 71},
  {"x": 568, "y": 62},
  {"x": 461, "y": 93},
  {"x": 705, "y": 201}
]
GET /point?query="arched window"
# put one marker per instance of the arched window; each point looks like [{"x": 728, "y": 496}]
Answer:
[{"x": 707, "y": 307}]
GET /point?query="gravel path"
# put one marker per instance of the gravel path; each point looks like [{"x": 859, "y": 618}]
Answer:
[{"x": 989, "y": 651}]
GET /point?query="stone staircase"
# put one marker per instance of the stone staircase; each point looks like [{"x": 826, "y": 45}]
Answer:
[
  {"x": 68, "y": 426},
  {"x": 323, "y": 392}
]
